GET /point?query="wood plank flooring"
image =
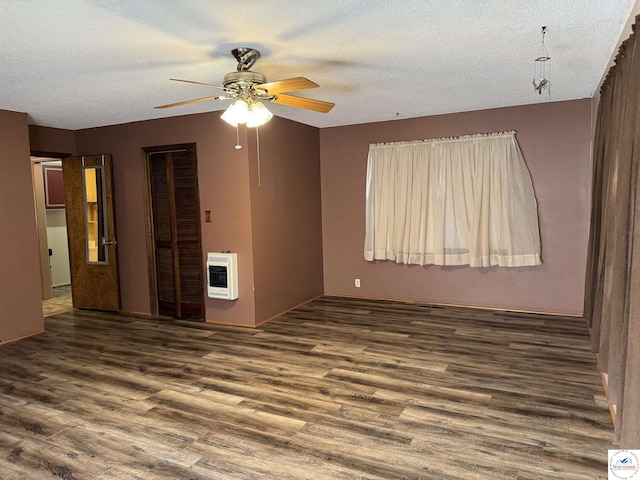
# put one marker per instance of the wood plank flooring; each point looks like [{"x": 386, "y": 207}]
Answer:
[
  {"x": 60, "y": 302},
  {"x": 336, "y": 389}
]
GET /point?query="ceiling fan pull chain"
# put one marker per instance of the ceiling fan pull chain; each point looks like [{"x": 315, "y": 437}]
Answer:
[
  {"x": 258, "y": 150},
  {"x": 238, "y": 146}
]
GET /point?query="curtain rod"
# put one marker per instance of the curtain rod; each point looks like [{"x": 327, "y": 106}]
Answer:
[{"x": 447, "y": 139}]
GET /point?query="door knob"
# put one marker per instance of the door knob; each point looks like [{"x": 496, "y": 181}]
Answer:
[{"x": 106, "y": 243}]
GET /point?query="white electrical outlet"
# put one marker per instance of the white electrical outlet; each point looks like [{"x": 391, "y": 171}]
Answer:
[{"x": 357, "y": 282}]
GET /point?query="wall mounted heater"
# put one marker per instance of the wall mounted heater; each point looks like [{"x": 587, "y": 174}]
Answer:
[{"x": 222, "y": 275}]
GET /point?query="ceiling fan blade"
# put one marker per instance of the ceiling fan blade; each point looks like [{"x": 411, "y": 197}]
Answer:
[
  {"x": 287, "y": 85},
  {"x": 195, "y": 100},
  {"x": 307, "y": 103},
  {"x": 197, "y": 83}
]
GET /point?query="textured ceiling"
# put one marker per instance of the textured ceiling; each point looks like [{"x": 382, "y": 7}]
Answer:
[{"x": 78, "y": 64}]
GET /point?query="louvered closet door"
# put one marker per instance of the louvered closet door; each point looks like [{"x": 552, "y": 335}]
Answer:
[{"x": 176, "y": 214}]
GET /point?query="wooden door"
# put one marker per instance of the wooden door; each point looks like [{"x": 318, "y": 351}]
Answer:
[
  {"x": 88, "y": 191},
  {"x": 174, "y": 201}
]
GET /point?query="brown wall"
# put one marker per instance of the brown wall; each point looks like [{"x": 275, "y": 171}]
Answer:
[
  {"x": 224, "y": 189},
  {"x": 555, "y": 141},
  {"x": 20, "y": 286},
  {"x": 51, "y": 140},
  {"x": 286, "y": 217},
  {"x": 274, "y": 227}
]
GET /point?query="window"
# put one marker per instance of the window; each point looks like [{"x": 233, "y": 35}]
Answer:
[{"x": 451, "y": 201}]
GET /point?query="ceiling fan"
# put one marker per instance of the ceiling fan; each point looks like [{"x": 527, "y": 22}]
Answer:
[{"x": 250, "y": 89}]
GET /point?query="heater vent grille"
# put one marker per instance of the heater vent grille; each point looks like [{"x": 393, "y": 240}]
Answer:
[{"x": 222, "y": 275}]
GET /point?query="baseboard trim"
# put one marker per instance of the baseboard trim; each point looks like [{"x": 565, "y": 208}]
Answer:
[
  {"x": 287, "y": 311},
  {"x": 605, "y": 387},
  {"x": 17, "y": 339},
  {"x": 259, "y": 324},
  {"x": 439, "y": 304}
]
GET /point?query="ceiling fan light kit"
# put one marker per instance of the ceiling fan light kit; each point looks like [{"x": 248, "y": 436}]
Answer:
[
  {"x": 250, "y": 89},
  {"x": 250, "y": 112}
]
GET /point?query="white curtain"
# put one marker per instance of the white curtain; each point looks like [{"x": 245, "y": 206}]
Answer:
[{"x": 451, "y": 201}]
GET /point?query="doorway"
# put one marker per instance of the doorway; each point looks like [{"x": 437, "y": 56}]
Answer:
[
  {"x": 173, "y": 231},
  {"x": 52, "y": 233},
  {"x": 65, "y": 190}
]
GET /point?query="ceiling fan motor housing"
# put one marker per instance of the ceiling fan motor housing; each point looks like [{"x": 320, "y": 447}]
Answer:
[{"x": 235, "y": 80}]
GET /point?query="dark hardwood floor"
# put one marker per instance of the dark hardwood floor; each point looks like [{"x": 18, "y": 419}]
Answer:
[{"x": 336, "y": 389}]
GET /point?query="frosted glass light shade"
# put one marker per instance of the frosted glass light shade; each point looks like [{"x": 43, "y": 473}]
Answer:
[
  {"x": 236, "y": 113},
  {"x": 258, "y": 115},
  {"x": 253, "y": 113}
]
